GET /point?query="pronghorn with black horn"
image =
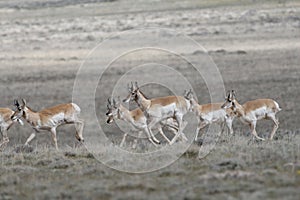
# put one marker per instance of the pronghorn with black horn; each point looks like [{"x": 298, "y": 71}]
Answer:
[
  {"x": 210, "y": 113},
  {"x": 252, "y": 111},
  {"x": 161, "y": 108},
  {"x": 50, "y": 118},
  {"x": 6, "y": 122},
  {"x": 137, "y": 119}
]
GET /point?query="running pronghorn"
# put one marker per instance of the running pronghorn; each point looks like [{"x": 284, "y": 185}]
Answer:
[
  {"x": 6, "y": 122},
  {"x": 210, "y": 113},
  {"x": 50, "y": 118},
  {"x": 252, "y": 111},
  {"x": 160, "y": 108},
  {"x": 137, "y": 120}
]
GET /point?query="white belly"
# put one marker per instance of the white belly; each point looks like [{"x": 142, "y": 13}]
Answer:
[
  {"x": 214, "y": 116},
  {"x": 56, "y": 120},
  {"x": 162, "y": 112}
]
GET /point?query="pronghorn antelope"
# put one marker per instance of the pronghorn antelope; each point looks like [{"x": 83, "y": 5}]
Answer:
[
  {"x": 50, "y": 118},
  {"x": 136, "y": 118},
  {"x": 160, "y": 108},
  {"x": 252, "y": 111},
  {"x": 6, "y": 122},
  {"x": 210, "y": 113}
]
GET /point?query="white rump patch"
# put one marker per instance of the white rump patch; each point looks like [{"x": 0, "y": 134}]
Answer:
[{"x": 76, "y": 107}]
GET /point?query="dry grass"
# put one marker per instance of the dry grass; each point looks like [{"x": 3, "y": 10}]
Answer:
[{"x": 255, "y": 46}]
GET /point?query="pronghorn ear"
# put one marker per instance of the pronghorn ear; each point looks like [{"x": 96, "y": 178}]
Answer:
[
  {"x": 108, "y": 104},
  {"x": 118, "y": 101},
  {"x": 191, "y": 93},
  {"x": 24, "y": 102},
  {"x": 228, "y": 95},
  {"x": 109, "y": 101},
  {"x": 233, "y": 94},
  {"x": 136, "y": 85},
  {"x": 114, "y": 103},
  {"x": 17, "y": 104},
  {"x": 129, "y": 88}
]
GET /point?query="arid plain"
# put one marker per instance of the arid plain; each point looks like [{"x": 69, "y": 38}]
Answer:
[{"x": 254, "y": 44}]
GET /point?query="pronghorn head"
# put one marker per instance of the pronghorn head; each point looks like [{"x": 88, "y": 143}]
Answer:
[
  {"x": 112, "y": 110},
  {"x": 133, "y": 92},
  {"x": 230, "y": 100},
  {"x": 20, "y": 111}
]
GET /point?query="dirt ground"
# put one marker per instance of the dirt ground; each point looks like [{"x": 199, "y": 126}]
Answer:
[{"x": 254, "y": 44}]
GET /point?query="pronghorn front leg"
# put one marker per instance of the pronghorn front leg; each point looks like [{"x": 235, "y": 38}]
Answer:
[
  {"x": 30, "y": 138},
  {"x": 229, "y": 125},
  {"x": 5, "y": 139},
  {"x": 276, "y": 124},
  {"x": 162, "y": 133},
  {"x": 174, "y": 130},
  {"x": 253, "y": 131},
  {"x": 149, "y": 126},
  {"x": 178, "y": 118},
  {"x": 53, "y": 134},
  {"x": 123, "y": 140}
]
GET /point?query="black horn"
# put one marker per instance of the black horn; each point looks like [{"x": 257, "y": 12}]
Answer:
[{"x": 16, "y": 103}]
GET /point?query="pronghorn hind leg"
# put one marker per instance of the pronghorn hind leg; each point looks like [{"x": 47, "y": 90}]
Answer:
[
  {"x": 79, "y": 125},
  {"x": 275, "y": 127},
  {"x": 53, "y": 134},
  {"x": 201, "y": 125},
  {"x": 134, "y": 145},
  {"x": 162, "y": 134},
  {"x": 149, "y": 136}
]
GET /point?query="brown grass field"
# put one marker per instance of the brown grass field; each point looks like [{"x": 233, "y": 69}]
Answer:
[{"x": 254, "y": 44}]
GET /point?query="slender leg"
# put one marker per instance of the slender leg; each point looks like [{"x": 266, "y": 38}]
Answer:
[
  {"x": 162, "y": 133},
  {"x": 30, "y": 138},
  {"x": 179, "y": 132},
  {"x": 5, "y": 139},
  {"x": 184, "y": 123},
  {"x": 53, "y": 133},
  {"x": 253, "y": 131},
  {"x": 229, "y": 126},
  {"x": 174, "y": 128},
  {"x": 79, "y": 124},
  {"x": 149, "y": 136},
  {"x": 149, "y": 126},
  {"x": 200, "y": 126},
  {"x": 276, "y": 125},
  {"x": 134, "y": 145},
  {"x": 222, "y": 126},
  {"x": 123, "y": 140}
]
